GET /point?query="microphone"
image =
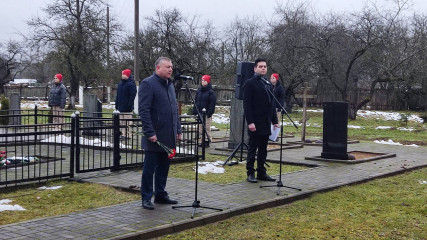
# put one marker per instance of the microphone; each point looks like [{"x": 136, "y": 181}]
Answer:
[
  {"x": 185, "y": 77},
  {"x": 266, "y": 81}
]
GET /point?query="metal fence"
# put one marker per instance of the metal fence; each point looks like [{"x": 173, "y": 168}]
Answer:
[{"x": 38, "y": 150}]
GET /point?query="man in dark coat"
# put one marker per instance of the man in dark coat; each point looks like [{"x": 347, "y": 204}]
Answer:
[
  {"x": 158, "y": 110},
  {"x": 260, "y": 113},
  {"x": 126, "y": 92},
  {"x": 57, "y": 99},
  {"x": 205, "y": 98},
  {"x": 278, "y": 92}
]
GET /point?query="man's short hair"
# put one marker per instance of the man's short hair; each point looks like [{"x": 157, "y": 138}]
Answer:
[
  {"x": 160, "y": 59},
  {"x": 259, "y": 60}
]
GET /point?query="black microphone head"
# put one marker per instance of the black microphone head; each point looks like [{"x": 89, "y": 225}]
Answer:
[{"x": 186, "y": 77}]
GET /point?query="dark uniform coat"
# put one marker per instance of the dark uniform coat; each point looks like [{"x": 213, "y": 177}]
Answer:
[
  {"x": 205, "y": 98},
  {"x": 126, "y": 92},
  {"x": 158, "y": 110},
  {"x": 259, "y": 105}
]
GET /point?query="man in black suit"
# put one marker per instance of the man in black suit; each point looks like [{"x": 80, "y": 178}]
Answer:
[{"x": 259, "y": 107}]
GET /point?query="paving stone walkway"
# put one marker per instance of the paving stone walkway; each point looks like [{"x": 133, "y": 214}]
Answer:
[{"x": 131, "y": 221}]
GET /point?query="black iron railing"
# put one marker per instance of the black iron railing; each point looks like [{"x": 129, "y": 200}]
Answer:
[{"x": 37, "y": 150}]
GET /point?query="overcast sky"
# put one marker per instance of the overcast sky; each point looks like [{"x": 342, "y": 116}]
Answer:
[{"x": 15, "y": 13}]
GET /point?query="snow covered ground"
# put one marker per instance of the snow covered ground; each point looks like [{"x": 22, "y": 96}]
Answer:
[
  {"x": 380, "y": 115},
  {"x": 210, "y": 167},
  {"x": 388, "y": 116},
  {"x": 5, "y": 206},
  {"x": 391, "y": 142}
]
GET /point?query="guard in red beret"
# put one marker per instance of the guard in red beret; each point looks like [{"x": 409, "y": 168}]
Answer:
[
  {"x": 126, "y": 93},
  {"x": 57, "y": 100},
  {"x": 205, "y": 98}
]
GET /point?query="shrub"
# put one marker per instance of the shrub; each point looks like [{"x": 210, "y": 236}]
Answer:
[
  {"x": 424, "y": 117},
  {"x": 4, "y": 110},
  {"x": 404, "y": 117}
]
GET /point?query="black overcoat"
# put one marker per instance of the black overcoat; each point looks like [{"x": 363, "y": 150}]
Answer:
[
  {"x": 158, "y": 110},
  {"x": 205, "y": 98},
  {"x": 259, "y": 105},
  {"x": 126, "y": 92}
]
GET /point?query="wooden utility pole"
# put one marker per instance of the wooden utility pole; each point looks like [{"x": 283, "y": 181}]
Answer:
[{"x": 136, "y": 48}]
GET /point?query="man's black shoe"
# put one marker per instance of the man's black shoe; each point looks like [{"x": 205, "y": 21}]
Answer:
[
  {"x": 265, "y": 177},
  {"x": 251, "y": 178},
  {"x": 164, "y": 200},
  {"x": 147, "y": 204}
]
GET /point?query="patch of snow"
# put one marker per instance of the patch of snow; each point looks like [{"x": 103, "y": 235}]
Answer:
[
  {"x": 184, "y": 150},
  {"x": 423, "y": 182},
  {"x": 5, "y": 207},
  {"x": 311, "y": 110},
  {"x": 406, "y": 129},
  {"x": 220, "y": 118},
  {"x": 287, "y": 123},
  {"x": 32, "y": 104},
  {"x": 412, "y": 145},
  {"x": 355, "y": 127},
  {"x": 108, "y": 106},
  {"x": 383, "y": 127},
  {"x": 390, "y": 142},
  {"x": 388, "y": 116},
  {"x": 210, "y": 167},
  {"x": 49, "y": 188},
  {"x": 84, "y": 141}
]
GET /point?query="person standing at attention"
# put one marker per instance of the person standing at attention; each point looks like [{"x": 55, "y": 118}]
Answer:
[
  {"x": 260, "y": 113},
  {"x": 278, "y": 92},
  {"x": 158, "y": 110},
  {"x": 57, "y": 100},
  {"x": 126, "y": 92},
  {"x": 205, "y": 98}
]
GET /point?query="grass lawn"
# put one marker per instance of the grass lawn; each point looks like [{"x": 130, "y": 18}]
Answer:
[
  {"x": 232, "y": 174},
  {"x": 388, "y": 208},
  {"x": 368, "y": 131},
  {"x": 72, "y": 197}
]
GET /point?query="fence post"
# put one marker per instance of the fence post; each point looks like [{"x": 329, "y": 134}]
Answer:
[
  {"x": 116, "y": 141},
  {"x": 73, "y": 129},
  {"x": 35, "y": 116},
  {"x": 77, "y": 142},
  {"x": 35, "y": 123}
]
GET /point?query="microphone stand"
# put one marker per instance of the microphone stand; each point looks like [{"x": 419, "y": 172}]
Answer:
[
  {"x": 196, "y": 202},
  {"x": 239, "y": 146},
  {"x": 279, "y": 183}
]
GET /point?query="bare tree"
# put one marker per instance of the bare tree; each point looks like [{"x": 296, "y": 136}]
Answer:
[
  {"x": 76, "y": 29},
  {"x": 11, "y": 62},
  {"x": 350, "y": 49},
  {"x": 245, "y": 39},
  {"x": 292, "y": 51}
]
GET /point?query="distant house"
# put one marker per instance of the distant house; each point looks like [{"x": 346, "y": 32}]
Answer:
[{"x": 23, "y": 81}]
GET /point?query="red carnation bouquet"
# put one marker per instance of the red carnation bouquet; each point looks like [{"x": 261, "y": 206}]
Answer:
[
  {"x": 171, "y": 152},
  {"x": 3, "y": 158}
]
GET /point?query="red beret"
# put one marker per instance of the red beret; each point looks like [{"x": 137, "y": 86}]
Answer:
[
  {"x": 207, "y": 78},
  {"x": 127, "y": 72},
  {"x": 59, "y": 76},
  {"x": 276, "y": 76}
]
